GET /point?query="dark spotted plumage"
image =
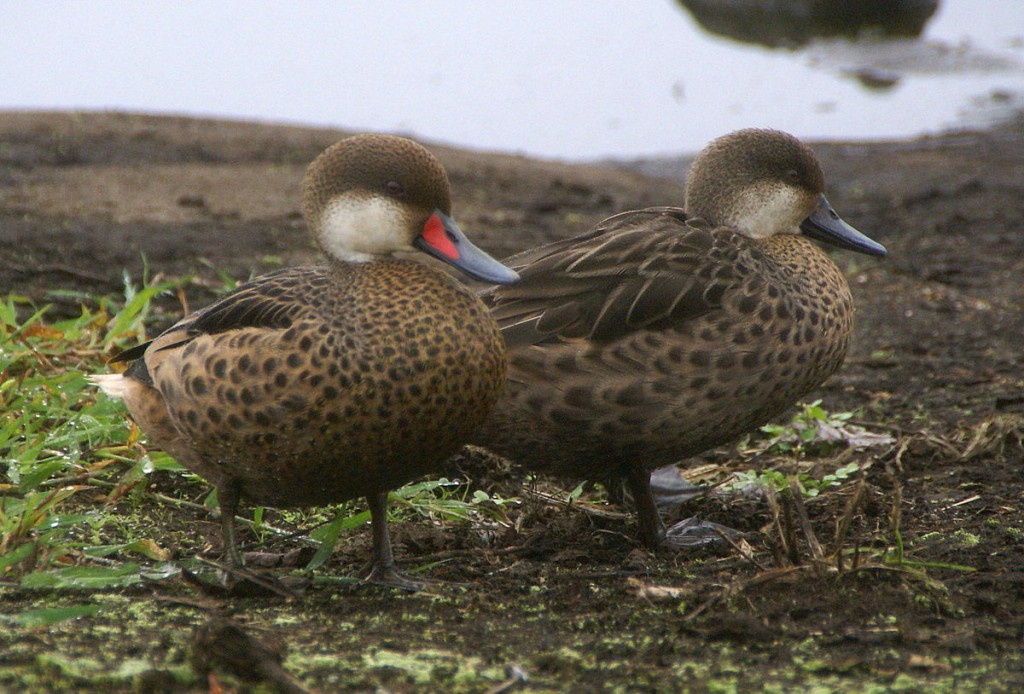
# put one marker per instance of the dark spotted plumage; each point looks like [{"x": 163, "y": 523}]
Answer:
[
  {"x": 388, "y": 390},
  {"x": 315, "y": 385},
  {"x": 663, "y": 332}
]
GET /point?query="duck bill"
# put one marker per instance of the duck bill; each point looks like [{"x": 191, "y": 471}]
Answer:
[
  {"x": 442, "y": 238},
  {"x": 827, "y": 226}
]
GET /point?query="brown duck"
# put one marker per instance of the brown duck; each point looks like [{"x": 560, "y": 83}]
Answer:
[
  {"x": 663, "y": 332},
  {"x": 314, "y": 385}
]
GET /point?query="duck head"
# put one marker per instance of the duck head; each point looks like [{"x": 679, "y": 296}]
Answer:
[
  {"x": 369, "y": 196},
  {"x": 766, "y": 182}
]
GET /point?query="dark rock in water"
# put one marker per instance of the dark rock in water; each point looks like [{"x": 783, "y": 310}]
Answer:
[
  {"x": 874, "y": 78},
  {"x": 789, "y": 23}
]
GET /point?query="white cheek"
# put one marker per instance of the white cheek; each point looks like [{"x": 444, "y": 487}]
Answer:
[
  {"x": 769, "y": 212},
  {"x": 357, "y": 228}
]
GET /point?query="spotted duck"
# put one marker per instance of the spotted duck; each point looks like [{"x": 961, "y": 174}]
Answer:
[
  {"x": 314, "y": 385},
  {"x": 666, "y": 331}
]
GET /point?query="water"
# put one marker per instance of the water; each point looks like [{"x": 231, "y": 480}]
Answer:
[{"x": 568, "y": 79}]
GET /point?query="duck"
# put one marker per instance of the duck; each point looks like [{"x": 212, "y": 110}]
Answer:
[
  {"x": 315, "y": 385},
  {"x": 663, "y": 332}
]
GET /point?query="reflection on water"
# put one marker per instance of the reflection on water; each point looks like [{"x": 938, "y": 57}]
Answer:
[
  {"x": 788, "y": 23},
  {"x": 574, "y": 79}
]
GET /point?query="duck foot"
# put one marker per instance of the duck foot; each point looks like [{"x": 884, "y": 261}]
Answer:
[
  {"x": 691, "y": 533},
  {"x": 382, "y": 570},
  {"x": 671, "y": 490},
  {"x": 687, "y": 534},
  {"x": 237, "y": 581},
  {"x": 393, "y": 578}
]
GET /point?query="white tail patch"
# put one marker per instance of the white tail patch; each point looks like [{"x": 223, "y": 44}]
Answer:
[{"x": 114, "y": 385}]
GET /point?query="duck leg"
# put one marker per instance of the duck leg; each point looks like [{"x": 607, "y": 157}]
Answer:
[
  {"x": 228, "y": 495},
  {"x": 652, "y": 529},
  {"x": 382, "y": 567},
  {"x": 235, "y": 579}
]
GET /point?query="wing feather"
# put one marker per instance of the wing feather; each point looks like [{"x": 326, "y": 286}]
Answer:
[
  {"x": 645, "y": 269},
  {"x": 264, "y": 302}
]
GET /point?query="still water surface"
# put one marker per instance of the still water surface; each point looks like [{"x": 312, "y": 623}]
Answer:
[{"x": 568, "y": 79}]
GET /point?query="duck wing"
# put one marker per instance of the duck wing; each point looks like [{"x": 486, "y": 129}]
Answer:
[
  {"x": 259, "y": 303},
  {"x": 643, "y": 269}
]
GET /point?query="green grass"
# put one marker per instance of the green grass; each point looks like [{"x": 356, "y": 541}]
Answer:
[
  {"x": 808, "y": 485},
  {"x": 74, "y": 470},
  {"x": 57, "y": 438},
  {"x": 809, "y": 432}
]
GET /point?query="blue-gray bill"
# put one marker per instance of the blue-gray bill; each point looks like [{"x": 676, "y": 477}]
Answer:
[
  {"x": 827, "y": 226},
  {"x": 443, "y": 239}
]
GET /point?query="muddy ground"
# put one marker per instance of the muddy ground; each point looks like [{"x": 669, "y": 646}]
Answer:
[{"x": 566, "y": 594}]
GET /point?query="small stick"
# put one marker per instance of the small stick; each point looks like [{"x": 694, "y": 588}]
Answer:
[
  {"x": 844, "y": 522},
  {"x": 805, "y": 524}
]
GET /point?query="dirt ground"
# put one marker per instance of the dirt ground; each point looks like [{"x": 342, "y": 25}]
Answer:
[{"x": 566, "y": 594}]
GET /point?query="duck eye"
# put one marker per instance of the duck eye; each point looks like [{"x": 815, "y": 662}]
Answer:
[
  {"x": 793, "y": 175},
  {"x": 394, "y": 188}
]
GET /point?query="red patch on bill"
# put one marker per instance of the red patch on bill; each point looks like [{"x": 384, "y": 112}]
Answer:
[{"x": 435, "y": 235}]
